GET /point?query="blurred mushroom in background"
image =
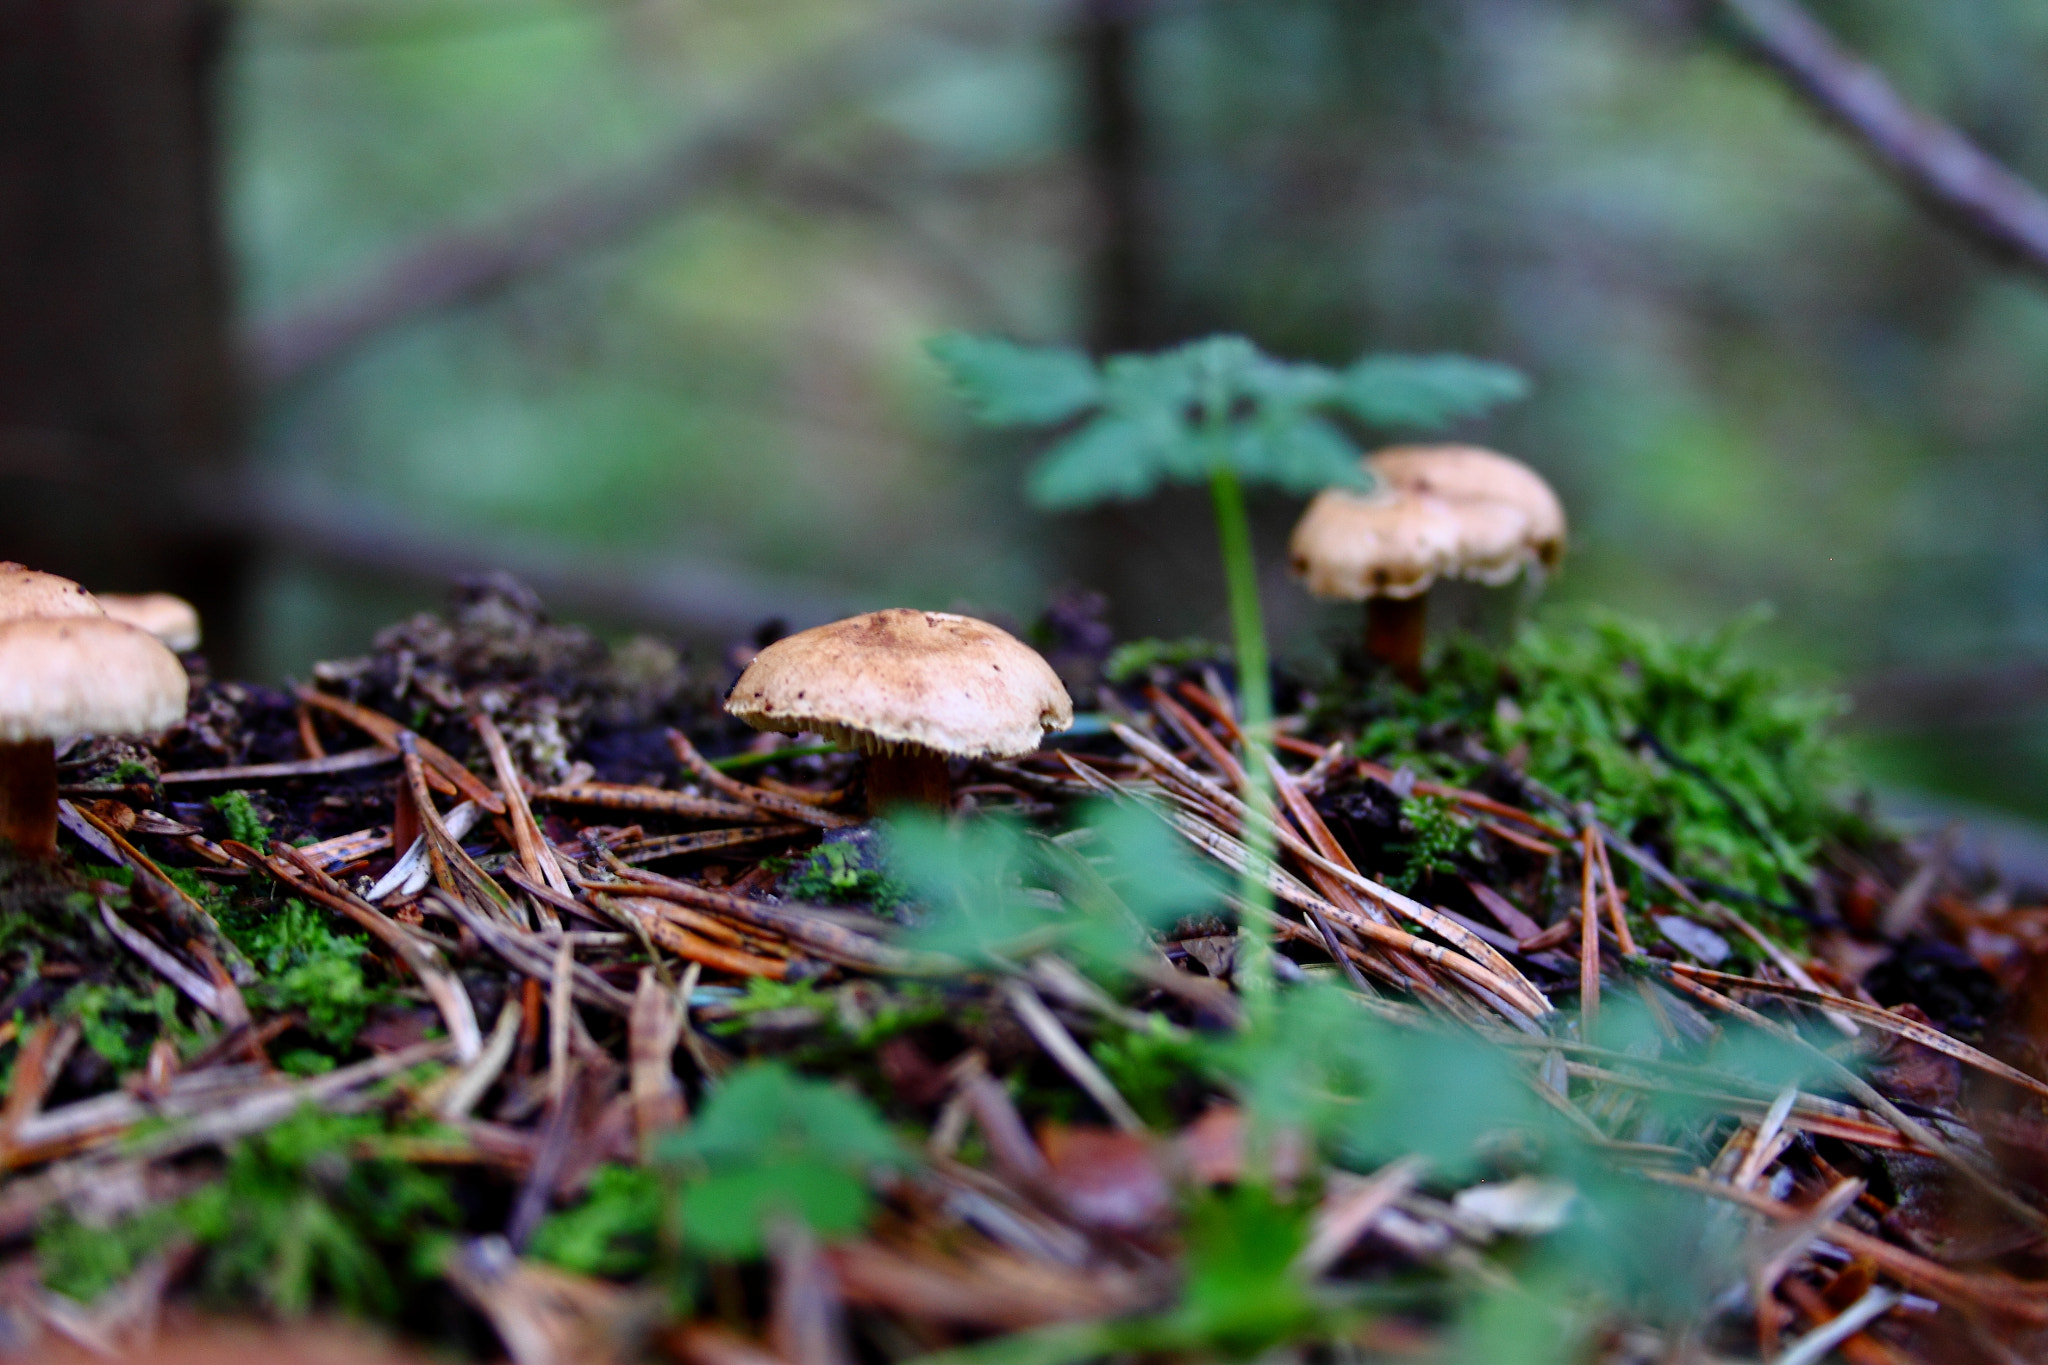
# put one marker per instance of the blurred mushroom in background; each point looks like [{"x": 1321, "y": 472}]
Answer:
[{"x": 1438, "y": 512}]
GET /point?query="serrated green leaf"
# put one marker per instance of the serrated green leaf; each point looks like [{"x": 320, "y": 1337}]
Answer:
[
  {"x": 1422, "y": 392},
  {"x": 1005, "y": 384},
  {"x": 1112, "y": 459},
  {"x": 771, "y": 1144},
  {"x": 1178, "y": 416},
  {"x": 1148, "y": 865},
  {"x": 765, "y": 1107},
  {"x": 1299, "y": 453}
]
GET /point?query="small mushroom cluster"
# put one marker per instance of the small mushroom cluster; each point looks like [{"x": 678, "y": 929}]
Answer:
[
  {"x": 1437, "y": 512},
  {"x": 70, "y": 667},
  {"x": 911, "y": 690}
]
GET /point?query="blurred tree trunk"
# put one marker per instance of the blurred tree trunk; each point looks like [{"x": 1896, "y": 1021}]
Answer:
[
  {"x": 117, "y": 391},
  {"x": 1153, "y": 560},
  {"x": 1119, "y": 275}
]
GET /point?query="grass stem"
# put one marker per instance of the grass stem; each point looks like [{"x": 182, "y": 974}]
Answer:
[{"x": 1255, "y": 694}]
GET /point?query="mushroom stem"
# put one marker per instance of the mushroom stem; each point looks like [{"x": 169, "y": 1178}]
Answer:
[
  {"x": 28, "y": 797},
  {"x": 912, "y": 777},
  {"x": 1394, "y": 631}
]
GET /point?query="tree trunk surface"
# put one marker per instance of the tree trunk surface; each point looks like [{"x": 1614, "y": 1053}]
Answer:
[{"x": 118, "y": 413}]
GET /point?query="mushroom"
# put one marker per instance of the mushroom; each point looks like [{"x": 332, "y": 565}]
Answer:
[
  {"x": 1439, "y": 512},
  {"x": 66, "y": 676},
  {"x": 909, "y": 689},
  {"x": 27, "y": 593},
  {"x": 168, "y": 617}
]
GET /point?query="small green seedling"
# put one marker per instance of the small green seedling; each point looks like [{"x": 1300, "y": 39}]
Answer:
[
  {"x": 773, "y": 1145},
  {"x": 1217, "y": 412},
  {"x": 993, "y": 894}
]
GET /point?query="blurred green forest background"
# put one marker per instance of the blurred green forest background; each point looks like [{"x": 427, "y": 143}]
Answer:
[{"x": 1763, "y": 375}]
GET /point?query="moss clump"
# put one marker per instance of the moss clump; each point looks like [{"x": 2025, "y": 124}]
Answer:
[
  {"x": 1679, "y": 742},
  {"x": 308, "y": 966},
  {"x": 245, "y": 824},
  {"x": 843, "y": 873},
  {"x": 300, "y": 1214}
]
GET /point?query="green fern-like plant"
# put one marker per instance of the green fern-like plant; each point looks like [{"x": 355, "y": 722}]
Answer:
[{"x": 1218, "y": 412}]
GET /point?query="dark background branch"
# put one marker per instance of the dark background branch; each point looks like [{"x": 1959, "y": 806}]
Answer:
[
  {"x": 449, "y": 267},
  {"x": 1948, "y": 174}
]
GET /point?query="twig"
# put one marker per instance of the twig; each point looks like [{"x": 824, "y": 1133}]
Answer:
[
  {"x": 707, "y": 841},
  {"x": 653, "y": 801},
  {"x": 185, "y": 913},
  {"x": 390, "y": 734},
  {"x": 2024, "y": 1301},
  {"x": 1876, "y": 1016},
  {"x": 229, "y": 1009},
  {"x": 677, "y": 939},
  {"x": 455, "y": 871},
  {"x": 1868, "y": 1095},
  {"x": 1059, "y": 1044},
  {"x": 653, "y": 1030},
  {"x": 421, "y": 957},
  {"x": 785, "y": 807},
  {"x": 349, "y": 762},
  {"x": 411, "y": 869},
  {"x": 1622, "y": 937},
  {"x": 1348, "y": 1216},
  {"x": 533, "y": 956},
  {"x": 527, "y": 837},
  {"x": 476, "y": 1079},
  {"x": 1589, "y": 939},
  {"x": 1814, "y": 1347},
  {"x": 829, "y": 941}
]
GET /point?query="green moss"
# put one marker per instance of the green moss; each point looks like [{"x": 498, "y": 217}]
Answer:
[
  {"x": 1131, "y": 661},
  {"x": 84, "y": 1261},
  {"x": 1440, "y": 837},
  {"x": 244, "y": 824},
  {"x": 120, "y": 1023},
  {"x": 1677, "y": 741},
  {"x": 307, "y": 965},
  {"x": 837, "y": 873},
  {"x": 1157, "y": 1069},
  {"x": 299, "y": 1215},
  {"x": 619, "y": 1230}
]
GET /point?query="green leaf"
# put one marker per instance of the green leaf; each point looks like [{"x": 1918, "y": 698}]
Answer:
[
  {"x": 1004, "y": 384},
  {"x": 766, "y": 1107},
  {"x": 615, "y": 1230},
  {"x": 1112, "y": 459},
  {"x": 1298, "y": 453},
  {"x": 969, "y": 882},
  {"x": 1315, "y": 1061},
  {"x": 1180, "y": 415},
  {"x": 732, "y": 1214},
  {"x": 1424, "y": 392},
  {"x": 1151, "y": 868},
  {"x": 1243, "y": 1294},
  {"x": 770, "y": 1145},
  {"x": 992, "y": 893}
]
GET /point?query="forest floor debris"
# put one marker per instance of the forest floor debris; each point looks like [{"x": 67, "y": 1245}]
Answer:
[{"x": 497, "y": 988}]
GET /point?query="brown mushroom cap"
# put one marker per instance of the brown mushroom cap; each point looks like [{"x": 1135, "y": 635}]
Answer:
[
  {"x": 1439, "y": 511},
  {"x": 901, "y": 678},
  {"x": 1483, "y": 483},
  {"x": 82, "y": 675},
  {"x": 170, "y": 618},
  {"x": 26, "y": 593}
]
